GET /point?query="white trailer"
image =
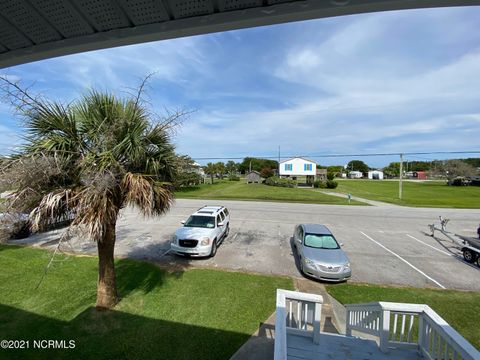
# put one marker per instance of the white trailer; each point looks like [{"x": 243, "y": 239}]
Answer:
[{"x": 469, "y": 246}]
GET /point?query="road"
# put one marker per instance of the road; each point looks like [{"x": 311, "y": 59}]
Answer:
[{"x": 386, "y": 244}]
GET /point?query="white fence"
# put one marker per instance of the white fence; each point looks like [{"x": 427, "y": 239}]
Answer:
[
  {"x": 399, "y": 325},
  {"x": 297, "y": 313}
]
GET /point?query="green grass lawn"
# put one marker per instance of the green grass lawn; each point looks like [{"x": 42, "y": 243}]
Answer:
[
  {"x": 239, "y": 190},
  {"x": 190, "y": 314},
  {"x": 427, "y": 194},
  {"x": 460, "y": 309}
]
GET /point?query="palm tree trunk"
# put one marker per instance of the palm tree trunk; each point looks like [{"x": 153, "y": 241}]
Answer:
[{"x": 106, "y": 287}]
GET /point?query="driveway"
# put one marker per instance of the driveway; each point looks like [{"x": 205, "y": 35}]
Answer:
[{"x": 386, "y": 245}]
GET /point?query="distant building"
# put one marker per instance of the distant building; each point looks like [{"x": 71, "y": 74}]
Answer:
[
  {"x": 197, "y": 168},
  {"x": 375, "y": 175},
  {"x": 355, "y": 174},
  {"x": 254, "y": 177},
  {"x": 416, "y": 175},
  {"x": 321, "y": 174},
  {"x": 420, "y": 175},
  {"x": 299, "y": 166}
]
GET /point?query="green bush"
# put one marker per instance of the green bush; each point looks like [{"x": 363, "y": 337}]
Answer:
[
  {"x": 331, "y": 184},
  {"x": 320, "y": 184},
  {"x": 330, "y": 176},
  {"x": 282, "y": 182},
  {"x": 233, "y": 178},
  {"x": 186, "y": 179}
]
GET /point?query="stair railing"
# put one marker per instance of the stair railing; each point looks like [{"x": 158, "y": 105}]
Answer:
[
  {"x": 297, "y": 313},
  {"x": 410, "y": 326}
]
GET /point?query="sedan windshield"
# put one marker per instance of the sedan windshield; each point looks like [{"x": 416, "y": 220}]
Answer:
[
  {"x": 321, "y": 241},
  {"x": 200, "y": 221}
]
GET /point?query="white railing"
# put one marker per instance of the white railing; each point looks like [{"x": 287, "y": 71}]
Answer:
[
  {"x": 297, "y": 313},
  {"x": 399, "y": 325}
]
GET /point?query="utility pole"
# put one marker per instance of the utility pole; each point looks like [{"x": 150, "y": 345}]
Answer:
[
  {"x": 278, "y": 173},
  {"x": 400, "y": 183}
]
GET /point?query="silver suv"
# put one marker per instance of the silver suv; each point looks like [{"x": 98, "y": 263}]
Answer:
[{"x": 202, "y": 232}]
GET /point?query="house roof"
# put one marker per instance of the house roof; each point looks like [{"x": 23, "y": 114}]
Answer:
[
  {"x": 254, "y": 172},
  {"x": 298, "y": 157}
]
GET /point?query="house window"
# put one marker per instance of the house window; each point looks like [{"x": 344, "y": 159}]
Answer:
[
  {"x": 288, "y": 167},
  {"x": 307, "y": 167}
]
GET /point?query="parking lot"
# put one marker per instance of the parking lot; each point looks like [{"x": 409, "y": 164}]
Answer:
[{"x": 386, "y": 244}]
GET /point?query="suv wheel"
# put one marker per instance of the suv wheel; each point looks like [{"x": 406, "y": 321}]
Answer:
[{"x": 214, "y": 248}]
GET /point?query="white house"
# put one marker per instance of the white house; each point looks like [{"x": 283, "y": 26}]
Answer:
[
  {"x": 298, "y": 167},
  {"x": 375, "y": 174},
  {"x": 197, "y": 168},
  {"x": 355, "y": 174}
]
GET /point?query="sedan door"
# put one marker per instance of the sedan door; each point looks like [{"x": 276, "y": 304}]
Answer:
[{"x": 299, "y": 241}]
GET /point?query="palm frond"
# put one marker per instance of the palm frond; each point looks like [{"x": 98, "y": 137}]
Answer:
[
  {"x": 163, "y": 197},
  {"x": 138, "y": 191},
  {"x": 55, "y": 206},
  {"x": 97, "y": 211},
  {"x": 152, "y": 198}
]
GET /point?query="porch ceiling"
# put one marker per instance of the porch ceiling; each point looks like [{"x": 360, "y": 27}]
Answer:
[{"x": 32, "y": 30}]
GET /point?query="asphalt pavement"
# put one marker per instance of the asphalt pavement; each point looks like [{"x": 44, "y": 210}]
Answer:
[{"x": 386, "y": 244}]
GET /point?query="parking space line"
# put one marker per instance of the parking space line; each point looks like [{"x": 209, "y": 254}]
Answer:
[
  {"x": 433, "y": 247},
  {"x": 402, "y": 259}
]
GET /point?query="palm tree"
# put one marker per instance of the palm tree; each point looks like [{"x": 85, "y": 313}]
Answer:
[
  {"x": 220, "y": 167},
  {"x": 231, "y": 167},
  {"x": 210, "y": 169},
  {"x": 109, "y": 154}
]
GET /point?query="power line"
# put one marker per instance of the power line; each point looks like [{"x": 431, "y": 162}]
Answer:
[{"x": 342, "y": 155}]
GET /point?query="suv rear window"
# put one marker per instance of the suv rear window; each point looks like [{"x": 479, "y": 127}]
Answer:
[
  {"x": 200, "y": 221},
  {"x": 226, "y": 212}
]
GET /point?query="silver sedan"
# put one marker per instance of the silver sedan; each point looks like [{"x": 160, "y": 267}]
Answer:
[{"x": 319, "y": 253}]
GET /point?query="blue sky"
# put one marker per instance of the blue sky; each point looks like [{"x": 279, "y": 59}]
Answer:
[{"x": 403, "y": 81}]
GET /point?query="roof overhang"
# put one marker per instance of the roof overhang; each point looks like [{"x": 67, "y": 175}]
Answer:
[{"x": 33, "y": 30}]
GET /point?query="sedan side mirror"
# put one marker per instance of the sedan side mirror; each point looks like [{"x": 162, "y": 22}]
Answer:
[
  {"x": 182, "y": 222},
  {"x": 299, "y": 240},
  {"x": 341, "y": 244}
]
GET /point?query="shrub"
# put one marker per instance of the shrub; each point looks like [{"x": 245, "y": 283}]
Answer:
[
  {"x": 331, "y": 184},
  {"x": 330, "y": 176},
  {"x": 233, "y": 178},
  {"x": 266, "y": 172},
  {"x": 321, "y": 184},
  {"x": 282, "y": 182},
  {"x": 186, "y": 179}
]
